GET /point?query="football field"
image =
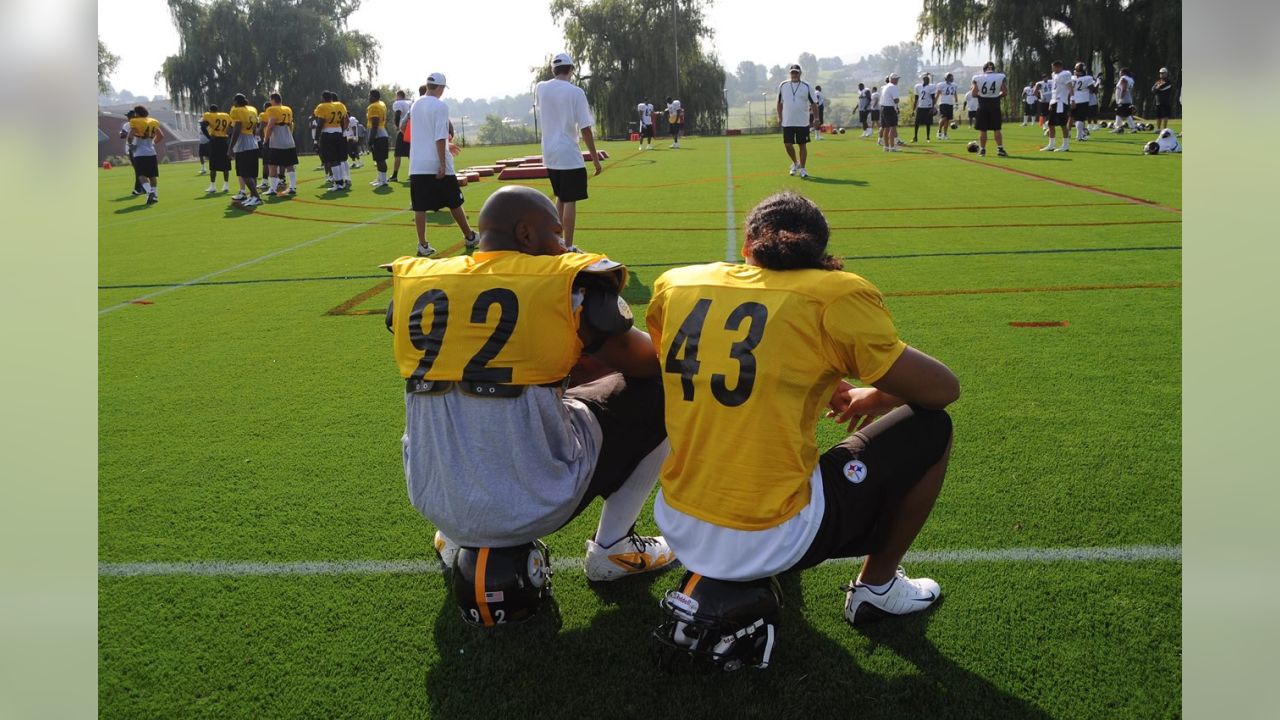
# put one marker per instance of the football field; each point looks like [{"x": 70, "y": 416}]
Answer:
[{"x": 259, "y": 556}]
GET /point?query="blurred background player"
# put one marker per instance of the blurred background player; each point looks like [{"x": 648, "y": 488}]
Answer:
[
  {"x": 244, "y": 122},
  {"x": 922, "y": 99},
  {"x": 1081, "y": 88},
  {"x": 889, "y": 114},
  {"x": 875, "y": 113},
  {"x": 1163, "y": 90},
  {"x": 820, "y": 102},
  {"x": 971, "y": 106},
  {"x": 400, "y": 111},
  {"x": 945, "y": 100},
  {"x": 203, "y": 151},
  {"x": 145, "y": 131},
  {"x": 282, "y": 153},
  {"x": 126, "y": 133},
  {"x": 645, "y": 111},
  {"x": 215, "y": 124},
  {"x": 1044, "y": 91},
  {"x": 675, "y": 120},
  {"x": 1124, "y": 102},
  {"x": 566, "y": 115},
  {"x": 376, "y": 115},
  {"x": 1028, "y": 104},
  {"x": 352, "y": 134},
  {"x": 1059, "y": 102},
  {"x": 433, "y": 181},
  {"x": 796, "y": 104},
  {"x": 333, "y": 147},
  {"x": 864, "y": 109},
  {"x": 264, "y": 147},
  {"x": 990, "y": 87}
]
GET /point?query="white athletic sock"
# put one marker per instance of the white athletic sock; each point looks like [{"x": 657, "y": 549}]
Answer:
[
  {"x": 622, "y": 508},
  {"x": 1119, "y": 120},
  {"x": 293, "y": 178},
  {"x": 1132, "y": 125},
  {"x": 273, "y": 183},
  {"x": 146, "y": 188}
]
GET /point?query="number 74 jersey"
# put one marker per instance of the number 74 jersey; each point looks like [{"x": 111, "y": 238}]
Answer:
[{"x": 750, "y": 357}]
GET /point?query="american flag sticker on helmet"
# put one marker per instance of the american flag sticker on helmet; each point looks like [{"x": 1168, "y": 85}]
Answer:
[{"x": 494, "y": 596}]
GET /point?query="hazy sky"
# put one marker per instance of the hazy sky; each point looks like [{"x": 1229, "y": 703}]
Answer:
[{"x": 509, "y": 36}]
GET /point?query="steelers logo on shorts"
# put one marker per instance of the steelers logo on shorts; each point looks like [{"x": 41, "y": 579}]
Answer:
[{"x": 855, "y": 471}]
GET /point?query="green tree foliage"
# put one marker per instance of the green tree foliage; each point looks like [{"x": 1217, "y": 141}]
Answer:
[
  {"x": 107, "y": 62},
  {"x": 629, "y": 50},
  {"x": 808, "y": 64},
  {"x": 1027, "y": 35},
  {"x": 496, "y": 132},
  {"x": 296, "y": 47}
]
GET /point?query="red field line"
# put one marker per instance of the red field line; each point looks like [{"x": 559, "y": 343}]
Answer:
[
  {"x": 901, "y": 227},
  {"x": 1056, "y": 181},
  {"x": 1049, "y": 288},
  {"x": 1039, "y": 324},
  {"x": 940, "y": 208},
  {"x": 282, "y": 216}
]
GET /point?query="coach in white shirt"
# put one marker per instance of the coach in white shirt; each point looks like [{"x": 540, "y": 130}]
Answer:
[
  {"x": 432, "y": 182},
  {"x": 565, "y": 115},
  {"x": 889, "y": 114},
  {"x": 796, "y": 104}
]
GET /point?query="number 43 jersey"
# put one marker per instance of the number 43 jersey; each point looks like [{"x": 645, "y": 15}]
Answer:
[
  {"x": 495, "y": 317},
  {"x": 750, "y": 357}
]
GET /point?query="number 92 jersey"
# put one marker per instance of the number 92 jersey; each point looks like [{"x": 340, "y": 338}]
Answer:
[
  {"x": 750, "y": 357},
  {"x": 494, "y": 317}
]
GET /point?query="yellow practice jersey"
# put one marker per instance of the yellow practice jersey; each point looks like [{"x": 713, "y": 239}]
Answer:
[
  {"x": 219, "y": 123},
  {"x": 331, "y": 114},
  {"x": 144, "y": 128},
  {"x": 494, "y": 317},
  {"x": 376, "y": 109},
  {"x": 750, "y": 358},
  {"x": 247, "y": 116},
  {"x": 282, "y": 114}
]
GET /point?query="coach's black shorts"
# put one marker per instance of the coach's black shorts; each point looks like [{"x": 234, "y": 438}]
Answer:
[
  {"x": 630, "y": 413},
  {"x": 146, "y": 165},
  {"x": 284, "y": 157},
  {"x": 247, "y": 163},
  {"x": 402, "y": 146},
  {"x": 646, "y": 131},
  {"x": 924, "y": 116},
  {"x": 865, "y": 477},
  {"x": 792, "y": 135},
  {"x": 204, "y": 150},
  {"x": 989, "y": 115},
  {"x": 333, "y": 147},
  {"x": 379, "y": 147},
  {"x": 218, "y": 159},
  {"x": 1057, "y": 119},
  {"x": 888, "y": 116},
  {"x": 429, "y": 193},
  {"x": 568, "y": 185},
  {"x": 947, "y": 110},
  {"x": 1164, "y": 111}
]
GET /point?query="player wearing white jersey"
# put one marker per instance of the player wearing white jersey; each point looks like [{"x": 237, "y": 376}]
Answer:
[
  {"x": 990, "y": 88},
  {"x": 875, "y": 109},
  {"x": 645, "y": 111},
  {"x": 817, "y": 120},
  {"x": 1124, "y": 102},
  {"x": 1028, "y": 103},
  {"x": 889, "y": 114},
  {"x": 1044, "y": 90},
  {"x": 1059, "y": 102},
  {"x": 944, "y": 98},
  {"x": 675, "y": 121},
  {"x": 923, "y": 96},
  {"x": 1081, "y": 86}
]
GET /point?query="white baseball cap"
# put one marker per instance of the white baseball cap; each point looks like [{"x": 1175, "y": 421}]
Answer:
[
  {"x": 795, "y": 67},
  {"x": 561, "y": 60},
  {"x": 893, "y": 76},
  {"x": 435, "y": 79}
]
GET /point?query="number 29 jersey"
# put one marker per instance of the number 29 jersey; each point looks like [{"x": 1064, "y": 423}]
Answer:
[
  {"x": 494, "y": 317},
  {"x": 750, "y": 357}
]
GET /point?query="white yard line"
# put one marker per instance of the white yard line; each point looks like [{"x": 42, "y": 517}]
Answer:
[
  {"x": 731, "y": 240},
  {"x": 247, "y": 263},
  {"x": 226, "y": 568}
]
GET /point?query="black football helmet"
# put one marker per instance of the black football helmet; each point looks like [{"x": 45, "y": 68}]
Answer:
[
  {"x": 1151, "y": 148},
  {"x": 955, "y": 124},
  {"x": 497, "y": 586},
  {"x": 972, "y": 146},
  {"x": 717, "y": 623}
]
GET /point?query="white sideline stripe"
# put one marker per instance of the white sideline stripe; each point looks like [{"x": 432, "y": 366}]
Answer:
[
  {"x": 730, "y": 243},
  {"x": 247, "y": 263},
  {"x": 218, "y": 568}
]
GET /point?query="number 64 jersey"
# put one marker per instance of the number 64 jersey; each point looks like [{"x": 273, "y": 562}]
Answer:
[{"x": 750, "y": 357}]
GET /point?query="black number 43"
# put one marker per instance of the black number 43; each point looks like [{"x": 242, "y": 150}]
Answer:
[{"x": 690, "y": 334}]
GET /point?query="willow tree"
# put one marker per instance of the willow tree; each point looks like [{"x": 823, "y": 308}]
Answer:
[
  {"x": 1027, "y": 35},
  {"x": 255, "y": 47},
  {"x": 107, "y": 62},
  {"x": 633, "y": 49}
]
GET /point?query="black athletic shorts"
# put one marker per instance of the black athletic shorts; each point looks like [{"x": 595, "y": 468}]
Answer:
[
  {"x": 1093, "y": 111},
  {"x": 429, "y": 193},
  {"x": 1124, "y": 110},
  {"x": 379, "y": 147},
  {"x": 1031, "y": 108},
  {"x": 973, "y": 114},
  {"x": 247, "y": 163},
  {"x": 218, "y": 159},
  {"x": 875, "y": 116},
  {"x": 204, "y": 150},
  {"x": 989, "y": 115},
  {"x": 402, "y": 146},
  {"x": 630, "y": 413},
  {"x": 284, "y": 157},
  {"x": 947, "y": 110},
  {"x": 146, "y": 165},
  {"x": 792, "y": 135},
  {"x": 862, "y": 117},
  {"x": 568, "y": 185},
  {"x": 865, "y": 477},
  {"x": 1164, "y": 111},
  {"x": 821, "y": 114},
  {"x": 333, "y": 147},
  {"x": 888, "y": 116},
  {"x": 1043, "y": 108},
  {"x": 646, "y": 131},
  {"x": 924, "y": 116},
  {"x": 676, "y": 127}
]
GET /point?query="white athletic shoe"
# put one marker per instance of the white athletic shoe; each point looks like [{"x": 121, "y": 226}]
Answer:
[
  {"x": 238, "y": 196},
  {"x": 377, "y": 183},
  {"x": 903, "y": 596},
  {"x": 212, "y": 188},
  {"x": 250, "y": 202},
  {"x": 793, "y": 169},
  {"x": 203, "y": 172},
  {"x": 1047, "y": 148},
  {"x": 630, "y": 555},
  {"x": 446, "y": 549},
  {"x": 1062, "y": 148},
  {"x": 426, "y": 251},
  {"x": 226, "y": 188},
  {"x": 803, "y": 174}
]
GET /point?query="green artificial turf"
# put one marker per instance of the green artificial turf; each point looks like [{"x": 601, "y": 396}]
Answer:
[{"x": 250, "y": 411}]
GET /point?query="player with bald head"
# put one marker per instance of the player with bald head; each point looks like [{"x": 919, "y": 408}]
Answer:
[{"x": 487, "y": 345}]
